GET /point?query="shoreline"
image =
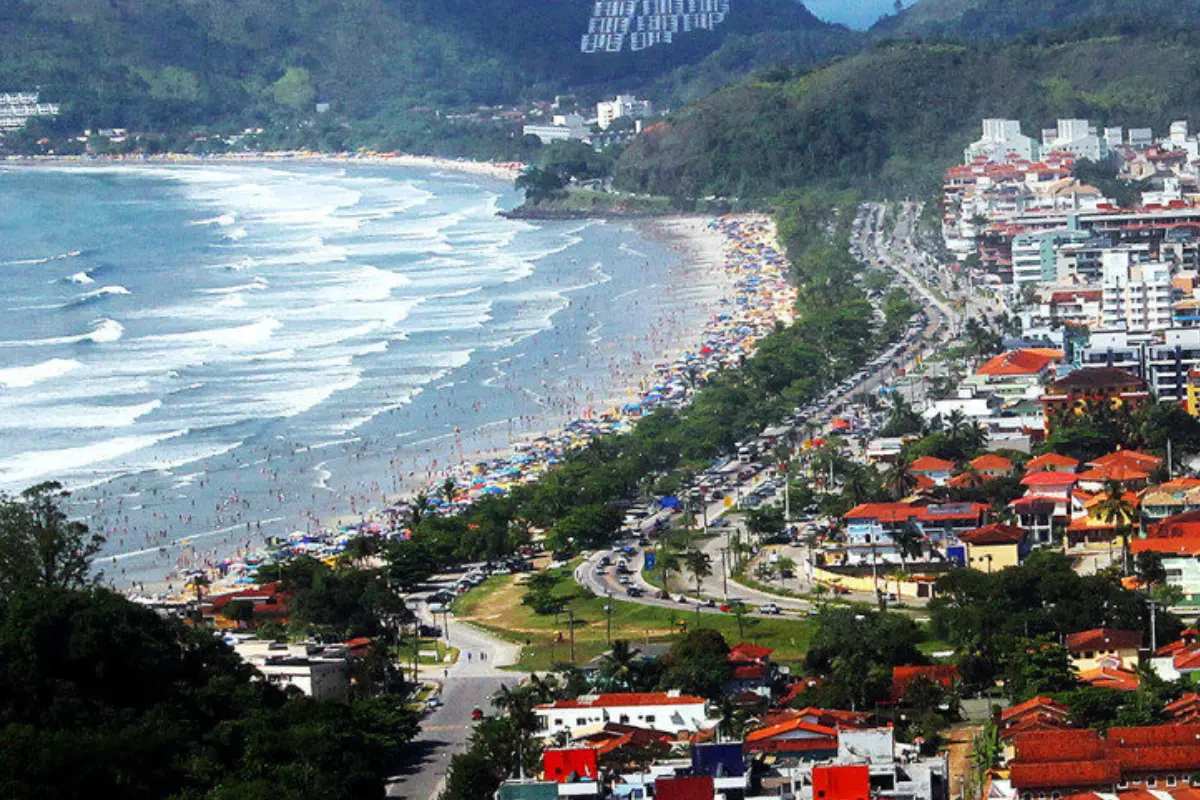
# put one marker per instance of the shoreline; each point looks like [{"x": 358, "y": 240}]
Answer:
[
  {"x": 499, "y": 170},
  {"x": 743, "y": 250},
  {"x": 702, "y": 262}
]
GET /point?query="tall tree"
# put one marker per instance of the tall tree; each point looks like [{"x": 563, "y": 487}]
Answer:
[{"x": 40, "y": 546}]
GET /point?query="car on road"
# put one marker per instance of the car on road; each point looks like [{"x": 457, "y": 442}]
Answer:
[
  {"x": 477, "y": 713},
  {"x": 433, "y": 703},
  {"x": 633, "y": 591},
  {"x": 623, "y": 580},
  {"x": 769, "y": 608}
]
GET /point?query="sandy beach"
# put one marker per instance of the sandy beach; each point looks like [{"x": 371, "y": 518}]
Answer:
[{"x": 506, "y": 171}]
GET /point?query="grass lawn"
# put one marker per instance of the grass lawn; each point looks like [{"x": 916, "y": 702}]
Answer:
[{"x": 496, "y": 606}]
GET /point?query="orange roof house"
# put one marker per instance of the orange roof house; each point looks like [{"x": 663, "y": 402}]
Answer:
[
  {"x": 1185, "y": 710},
  {"x": 1051, "y": 461},
  {"x": 1032, "y": 361},
  {"x": 992, "y": 465},
  {"x": 944, "y": 675},
  {"x": 1035, "y": 714},
  {"x": 1130, "y": 458}
]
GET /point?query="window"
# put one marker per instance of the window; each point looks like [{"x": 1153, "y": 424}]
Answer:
[
  {"x": 623, "y": 719},
  {"x": 1171, "y": 780},
  {"x": 1123, "y": 785},
  {"x": 579, "y": 721},
  {"x": 1055, "y": 795},
  {"x": 1151, "y": 782},
  {"x": 650, "y": 718}
]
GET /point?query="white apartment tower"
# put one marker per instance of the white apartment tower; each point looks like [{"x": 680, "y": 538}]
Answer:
[
  {"x": 1134, "y": 296},
  {"x": 625, "y": 105},
  {"x": 1000, "y": 138}
]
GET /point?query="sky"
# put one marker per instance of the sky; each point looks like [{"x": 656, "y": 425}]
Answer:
[{"x": 855, "y": 13}]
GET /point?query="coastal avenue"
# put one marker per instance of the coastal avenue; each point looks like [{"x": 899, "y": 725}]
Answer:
[{"x": 899, "y": 253}]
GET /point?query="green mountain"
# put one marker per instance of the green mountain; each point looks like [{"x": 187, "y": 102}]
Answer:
[
  {"x": 167, "y": 64},
  {"x": 986, "y": 19},
  {"x": 895, "y": 115}
]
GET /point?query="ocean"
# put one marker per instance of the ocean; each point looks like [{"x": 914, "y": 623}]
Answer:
[{"x": 206, "y": 355}]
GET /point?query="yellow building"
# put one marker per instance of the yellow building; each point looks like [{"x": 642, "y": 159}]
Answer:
[
  {"x": 994, "y": 547},
  {"x": 1109, "y": 647},
  {"x": 1193, "y": 392}
]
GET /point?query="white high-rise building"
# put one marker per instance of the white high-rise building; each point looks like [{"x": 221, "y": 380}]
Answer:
[
  {"x": 625, "y": 105},
  {"x": 1135, "y": 296},
  {"x": 1000, "y": 138},
  {"x": 1076, "y": 136}
]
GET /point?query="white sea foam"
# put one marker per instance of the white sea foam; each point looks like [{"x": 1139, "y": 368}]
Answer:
[
  {"x": 101, "y": 293},
  {"x": 258, "y": 284},
  {"x": 46, "y": 260},
  {"x": 81, "y": 278},
  {"x": 239, "y": 336},
  {"x": 23, "y": 468},
  {"x": 70, "y": 416},
  {"x": 22, "y": 377},
  {"x": 224, "y": 220},
  {"x": 103, "y": 331}
]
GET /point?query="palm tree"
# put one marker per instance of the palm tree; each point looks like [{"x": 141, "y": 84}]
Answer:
[
  {"x": 782, "y": 566},
  {"x": 619, "y": 665},
  {"x": 360, "y": 548},
  {"x": 699, "y": 564},
  {"x": 200, "y": 582},
  {"x": 956, "y": 422},
  {"x": 448, "y": 490},
  {"x": 420, "y": 504},
  {"x": 898, "y": 480},
  {"x": 908, "y": 540},
  {"x": 1115, "y": 510},
  {"x": 668, "y": 562}
]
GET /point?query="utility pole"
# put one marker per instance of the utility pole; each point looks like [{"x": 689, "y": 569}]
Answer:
[
  {"x": 1153, "y": 627},
  {"x": 608, "y": 610},
  {"x": 1170, "y": 462},
  {"x": 787, "y": 492},
  {"x": 725, "y": 572},
  {"x": 571, "y": 624}
]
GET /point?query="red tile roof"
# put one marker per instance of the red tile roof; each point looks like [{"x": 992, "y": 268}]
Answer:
[
  {"x": 1033, "y": 704},
  {"x": 748, "y": 652},
  {"x": 1047, "y": 746},
  {"x": 993, "y": 462},
  {"x": 1132, "y": 458},
  {"x": 1114, "y": 472},
  {"x": 1049, "y": 478},
  {"x": 996, "y": 533},
  {"x": 1051, "y": 461},
  {"x": 930, "y": 464},
  {"x": 788, "y": 726},
  {"x": 1030, "y": 361},
  {"x": 945, "y": 675},
  {"x": 1115, "y": 678},
  {"x": 1103, "y": 639},
  {"x": 1073, "y": 774},
  {"x": 626, "y": 699},
  {"x": 884, "y": 512},
  {"x": 749, "y": 672}
]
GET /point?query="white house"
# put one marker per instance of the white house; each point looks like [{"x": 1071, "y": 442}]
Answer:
[
  {"x": 320, "y": 671},
  {"x": 670, "y": 712}
]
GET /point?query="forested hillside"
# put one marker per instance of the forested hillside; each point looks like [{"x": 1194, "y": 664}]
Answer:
[
  {"x": 163, "y": 64},
  {"x": 986, "y": 19},
  {"x": 894, "y": 115}
]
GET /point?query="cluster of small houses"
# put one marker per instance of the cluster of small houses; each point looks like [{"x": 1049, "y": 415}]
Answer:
[
  {"x": 812, "y": 753},
  {"x": 1020, "y": 397},
  {"x": 833, "y": 754}
]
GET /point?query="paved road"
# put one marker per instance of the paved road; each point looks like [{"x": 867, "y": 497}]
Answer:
[{"x": 465, "y": 685}]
